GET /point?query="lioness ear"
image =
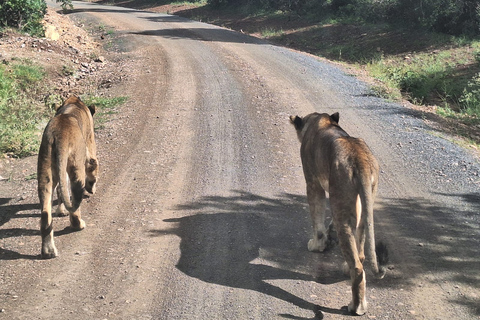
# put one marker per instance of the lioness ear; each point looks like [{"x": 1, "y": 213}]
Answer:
[
  {"x": 297, "y": 122},
  {"x": 335, "y": 117},
  {"x": 92, "y": 109}
]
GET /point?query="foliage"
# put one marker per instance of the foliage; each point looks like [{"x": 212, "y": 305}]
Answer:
[
  {"x": 66, "y": 4},
  {"x": 104, "y": 107},
  {"x": 26, "y": 15},
  {"x": 20, "y": 116},
  {"x": 451, "y": 17},
  {"x": 23, "y": 117},
  {"x": 470, "y": 99},
  {"x": 419, "y": 78},
  {"x": 446, "y": 16},
  {"x": 283, "y": 5}
]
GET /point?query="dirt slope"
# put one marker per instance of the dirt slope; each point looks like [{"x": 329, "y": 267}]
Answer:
[{"x": 200, "y": 209}]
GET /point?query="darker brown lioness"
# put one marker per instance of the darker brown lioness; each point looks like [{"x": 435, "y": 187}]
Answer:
[
  {"x": 344, "y": 167},
  {"x": 67, "y": 156}
]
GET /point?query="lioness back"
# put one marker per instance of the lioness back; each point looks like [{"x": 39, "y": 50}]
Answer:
[{"x": 353, "y": 159}]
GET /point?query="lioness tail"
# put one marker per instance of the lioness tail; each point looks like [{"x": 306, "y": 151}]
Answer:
[
  {"x": 76, "y": 187},
  {"x": 377, "y": 254},
  {"x": 382, "y": 258}
]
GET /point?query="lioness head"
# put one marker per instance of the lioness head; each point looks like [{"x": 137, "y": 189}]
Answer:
[
  {"x": 323, "y": 120},
  {"x": 91, "y": 169}
]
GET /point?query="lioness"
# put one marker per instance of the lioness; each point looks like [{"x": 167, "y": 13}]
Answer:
[
  {"x": 67, "y": 151},
  {"x": 344, "y": 167}
]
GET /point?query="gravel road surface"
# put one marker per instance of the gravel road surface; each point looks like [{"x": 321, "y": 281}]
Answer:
[{"x": 201, "y": 213}]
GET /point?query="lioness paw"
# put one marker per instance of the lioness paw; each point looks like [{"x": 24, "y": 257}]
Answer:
[
  {"x": 49, "y": 253},
  {"x": 316, "y": 246},
  {"x": 360, "y": 310},
  {"x": 61, "y": 211},
  {"x": 77, "y": 225}
]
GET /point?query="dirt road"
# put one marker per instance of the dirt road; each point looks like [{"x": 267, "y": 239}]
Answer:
[{"x": 200, "y": 212}]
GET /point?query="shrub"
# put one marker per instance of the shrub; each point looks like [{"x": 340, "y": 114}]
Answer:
[
  {"x": 21, "y": 117},
  {"x": 26, "y": 15},
  {"x": 445, "y": 16},
  {"x": 66, "y": 4},
  {"x": 470, "y": 99}
]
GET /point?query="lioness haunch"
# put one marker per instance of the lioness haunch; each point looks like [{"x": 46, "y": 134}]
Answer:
[
  {"x": 67, "y": 152},
  {"x": 344, "y": 167}
]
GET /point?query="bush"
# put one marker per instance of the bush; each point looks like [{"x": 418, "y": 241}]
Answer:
[
  {"x": 446, "y": 16},
  {"x": 21, "y": 116},
  {"x": 420, "y": 79},
  {"x": 460, "y": 17},
  {"x": 25, "y": 15},
  {"x": 470, "y": 99},
  {"x": 66, "y": 4},
  {"x": 283, "y": 5}
]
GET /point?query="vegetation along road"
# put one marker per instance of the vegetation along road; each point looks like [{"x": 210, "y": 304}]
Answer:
[{"x": 200, "y": 210}]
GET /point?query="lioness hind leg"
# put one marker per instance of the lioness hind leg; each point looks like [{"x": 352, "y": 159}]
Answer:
[
  {"x": 61, "y": 210},
  {"x": 360, "y": 235},
  {"x": 76, "y": 222},
  {"x": 77, "y": 178},
  {"x": 358, "y": 305},
  {"x": 48, "y": 245},
  {"x": 317, "y": 203},
  {"x": 46, "y": 222},
  {"x": 332, "y": 235}
]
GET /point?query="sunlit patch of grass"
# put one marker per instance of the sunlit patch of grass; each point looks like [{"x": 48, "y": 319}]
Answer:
[
  {"x": 271, "y": 32},
  {"x": 22, "y": 117},
  {"x": 443, "y": 75},
  {"x": 104, "y": 108}
]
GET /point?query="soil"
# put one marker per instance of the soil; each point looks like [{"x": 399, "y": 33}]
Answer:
[{"x": 200, "y": 210}]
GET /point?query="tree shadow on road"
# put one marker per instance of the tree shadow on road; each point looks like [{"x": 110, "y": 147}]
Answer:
[
  {"x": 437, "y": 242},
  {"x": 245, "y": 240},
  {"x": 197, "y": 32}
]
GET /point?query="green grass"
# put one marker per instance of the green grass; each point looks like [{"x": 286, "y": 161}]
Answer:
[
  {"x": 104, "y": 108},
  {"x": 21, "y": 117},
  {"x": 31, "y": 176},
  {"x": 27, "y": 75},
  {"x": 417, "y": 78},
  {"x": 448, "y": 78},
  {"x": 271, "y": 32}
]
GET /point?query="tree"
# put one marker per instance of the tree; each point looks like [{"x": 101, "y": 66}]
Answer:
[
  {"x": 25, "y": 15},
  {"x": 66, "y": 4}
]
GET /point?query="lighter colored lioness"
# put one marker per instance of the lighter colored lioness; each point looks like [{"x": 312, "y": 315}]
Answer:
[
  {"x": 344, "y": 167},
  {"x": 67, "y": 151}
]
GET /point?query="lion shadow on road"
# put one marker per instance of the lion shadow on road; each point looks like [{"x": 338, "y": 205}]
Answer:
[
  {"x": 246, "y": 240},
  {"x": 16, "y": 211},
  {"x": 10, "y": 211}
]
